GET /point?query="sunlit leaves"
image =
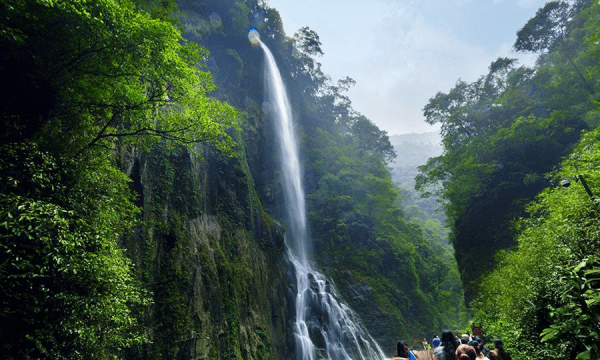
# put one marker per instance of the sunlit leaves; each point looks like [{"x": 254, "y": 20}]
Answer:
[
  {"x": 116, "y": 73},
  {"x": 548, "y": 288},
  {"x": 84, "y": 78}
]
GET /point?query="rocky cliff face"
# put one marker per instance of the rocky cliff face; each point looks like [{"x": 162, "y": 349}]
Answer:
[
  {"x": 212, "y": 258},
  {"x": 360, "y": 297}
]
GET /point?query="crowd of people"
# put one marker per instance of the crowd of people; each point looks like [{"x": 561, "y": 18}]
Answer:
[{"x": 451, "y": 347}]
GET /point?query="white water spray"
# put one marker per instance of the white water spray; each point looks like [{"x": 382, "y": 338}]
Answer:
[
  {"x": 325, "y": 328},
  {"x": 290, "y": 161}
]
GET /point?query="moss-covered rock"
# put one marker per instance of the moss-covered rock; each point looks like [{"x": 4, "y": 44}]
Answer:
[{"x": 212, "y": 258}]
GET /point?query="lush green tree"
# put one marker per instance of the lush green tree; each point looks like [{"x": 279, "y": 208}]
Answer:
[
  {"x": 369, "y": 138},
  {"x": 548, "y": 287},
  {"x": 555, "y": 28},
  {"x": 504, "y": 131},
  {"x": 84, "y": 79},
  {"x": 94, "y": 72},
  {"x": 545, "y": 29},
  {"x": 67, "y": 289},
  {"x": 307, "y": 41}
]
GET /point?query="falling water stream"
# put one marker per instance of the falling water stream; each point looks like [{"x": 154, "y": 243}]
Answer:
[{"x": 325, "y": 328}]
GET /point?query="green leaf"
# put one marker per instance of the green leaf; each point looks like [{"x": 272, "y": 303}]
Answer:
[{"x": 549, "y": 333}]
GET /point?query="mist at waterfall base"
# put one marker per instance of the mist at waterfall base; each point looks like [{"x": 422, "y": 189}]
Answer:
[{"x": 325, "y": 328}]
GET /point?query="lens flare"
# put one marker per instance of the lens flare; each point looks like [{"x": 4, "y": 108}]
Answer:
[{"x": 254, "y": 36}]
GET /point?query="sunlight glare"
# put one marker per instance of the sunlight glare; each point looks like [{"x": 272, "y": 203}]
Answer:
[{"x": 254, "y": 36}]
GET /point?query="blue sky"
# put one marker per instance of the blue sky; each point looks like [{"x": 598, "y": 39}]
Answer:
[{"x": 401, "y": 53}]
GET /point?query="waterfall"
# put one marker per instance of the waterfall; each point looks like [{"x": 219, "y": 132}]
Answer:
[
  {"x": 325, "y": 328},
  {"x": 290, "y": 161}
]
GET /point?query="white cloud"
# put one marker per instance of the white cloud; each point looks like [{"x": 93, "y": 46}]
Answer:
[
  {"x": 412, "y": 61},
  {"x": 401, "y": 53}
]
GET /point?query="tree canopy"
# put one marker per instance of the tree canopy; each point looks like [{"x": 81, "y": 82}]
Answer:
[
  {"x": 547, "y": 287},
  {"x": 503, "y": 132},
  {"x": 82, "y": 79},
  {"x": 97, "y": 71}
]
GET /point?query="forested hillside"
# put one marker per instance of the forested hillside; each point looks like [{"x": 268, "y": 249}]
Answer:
[
  {"x": 509, "y": 138},
  {"x": 140, "y": 195},
  {"x": 141, "y": 212},
  {"x": 388, "y": 268},
  {"x": 427, "y": 213}
]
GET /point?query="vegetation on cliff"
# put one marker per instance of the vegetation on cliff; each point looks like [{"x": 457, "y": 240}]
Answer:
[
  {"x": 78, "y": 79},
  {"x": 547, "y": 288},
  {"x": 95, "y": 90},
  {"x": 358, "y": 224},
  {"x": 509, "y": 137},
  {"x": 505, "y": 131}
]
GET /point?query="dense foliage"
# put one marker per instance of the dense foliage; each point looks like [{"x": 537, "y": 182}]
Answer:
[
  {"x": 505, "y": 130},
  {"x": 510, "y": 138},
  {"x": 85, "y": 82},
  {"x": 80, "y": 78},
  {"x": 359, "y": 225},
  {"x": 357, "y": 221},
  {"x": 545, "y": 294}
]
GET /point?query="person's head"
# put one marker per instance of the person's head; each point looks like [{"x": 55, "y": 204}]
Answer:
[
  {"x": 475, "y": 345},
  {"x": 448, "y": 342},
  {"x": 447, "y": 337},
  {"x": 498, "y": 344},
  {"x": 402, "y": 348},
  {"x": 465, "y": 352}
]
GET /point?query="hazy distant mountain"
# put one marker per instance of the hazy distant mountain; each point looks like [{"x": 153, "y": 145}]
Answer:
[{"x": 413, "y": 151}]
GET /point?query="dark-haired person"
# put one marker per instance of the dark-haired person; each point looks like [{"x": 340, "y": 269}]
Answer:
[
  {"x": 475, "y": 344},
  {"x": 447, "y": 346},
  {"x": 484, "y": 350},
  {"x": 402, "y": 350},
  {"x": 465, "y": 352},
  {"x": 499, "y": 353}
]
